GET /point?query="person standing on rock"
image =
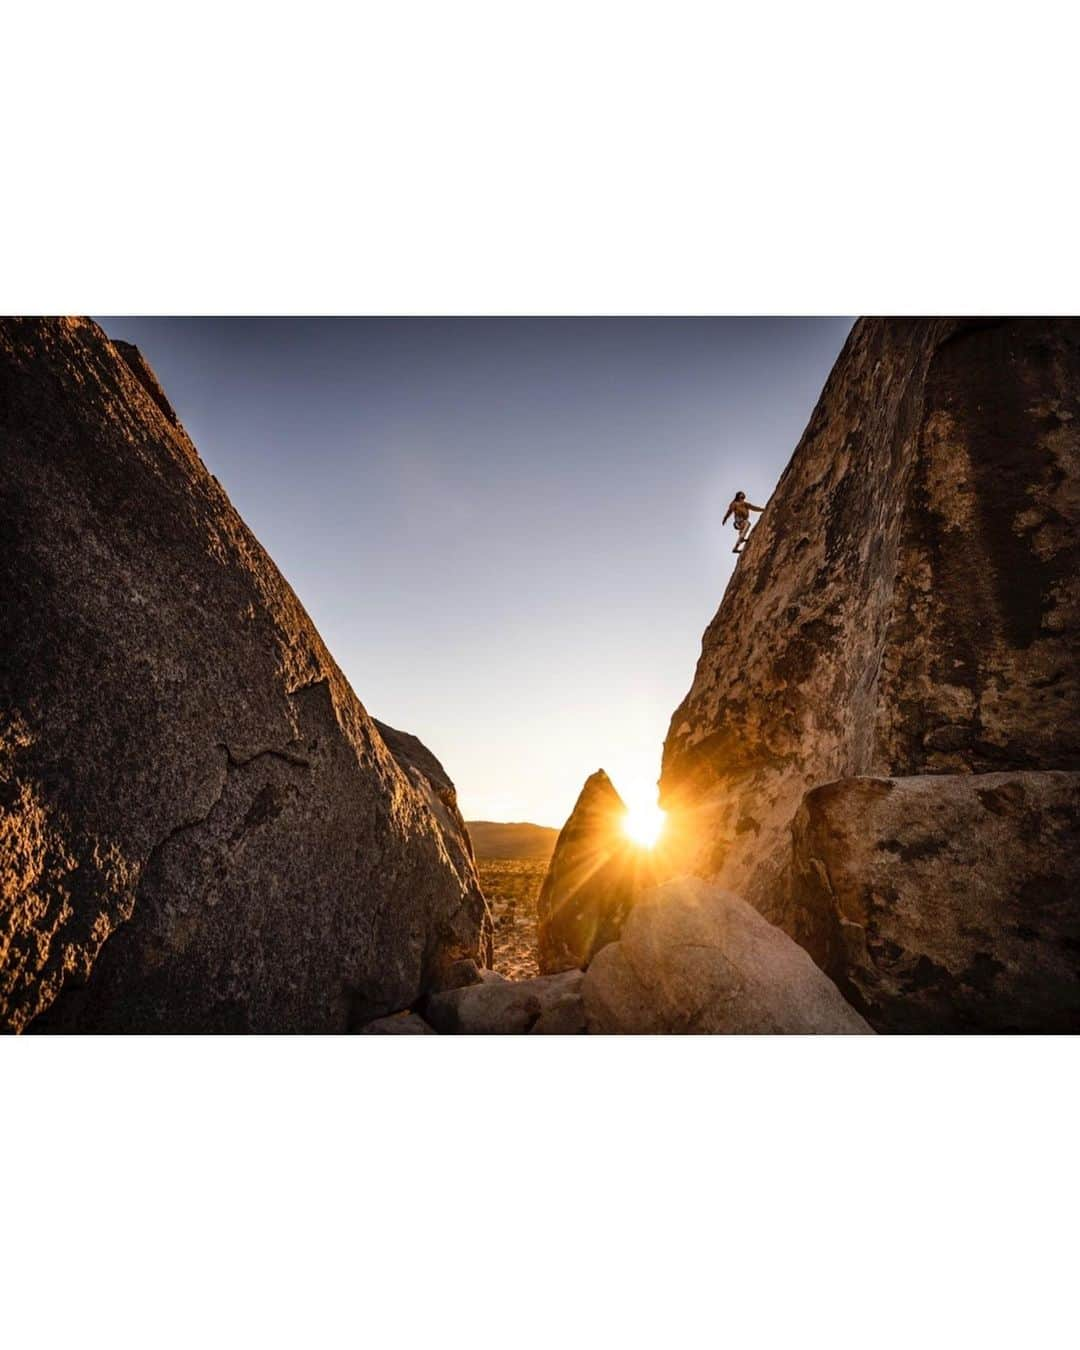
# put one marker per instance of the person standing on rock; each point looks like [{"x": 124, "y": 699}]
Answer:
[{"x": 740, "y": 508}]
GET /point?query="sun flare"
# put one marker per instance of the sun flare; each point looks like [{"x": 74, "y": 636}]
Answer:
[{"x": 644, "y": 824}]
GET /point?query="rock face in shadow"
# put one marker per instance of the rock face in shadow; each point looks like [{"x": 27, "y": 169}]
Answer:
[
  {"x": 954, "y": 897},
  {"x": 908, "y": 604},
  {"x": 202, "y": 828},
  {"x": 593, "y": 878},
  {"x": 434, "y": 784},
  {"x": 695, "y": 959}
]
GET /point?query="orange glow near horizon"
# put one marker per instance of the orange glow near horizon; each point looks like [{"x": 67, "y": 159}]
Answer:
[{"x": 644, "y": 824}]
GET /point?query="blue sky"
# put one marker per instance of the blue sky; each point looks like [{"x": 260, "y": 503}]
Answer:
[{"x": 506, "y": 530}]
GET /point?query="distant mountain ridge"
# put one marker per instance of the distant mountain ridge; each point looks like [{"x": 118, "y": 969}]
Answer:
[{"x": 511, "y": 839}]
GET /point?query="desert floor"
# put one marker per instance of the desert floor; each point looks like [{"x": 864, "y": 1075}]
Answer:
[{"x": 511, "y": 887}]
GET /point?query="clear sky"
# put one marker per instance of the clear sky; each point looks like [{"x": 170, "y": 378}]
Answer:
[{"x": 506, "y": 530}]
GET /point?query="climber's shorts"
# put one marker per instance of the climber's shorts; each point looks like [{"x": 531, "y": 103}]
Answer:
[{"x": 741, "y": 522}]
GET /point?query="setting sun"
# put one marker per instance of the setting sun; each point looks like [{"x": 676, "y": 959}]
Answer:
[{"x": 644, "y": 824}]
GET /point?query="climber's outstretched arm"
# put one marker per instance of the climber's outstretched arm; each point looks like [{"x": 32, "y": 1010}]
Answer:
[{"x": 751, "y": 507}]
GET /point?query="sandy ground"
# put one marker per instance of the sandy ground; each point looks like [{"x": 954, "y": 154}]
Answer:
[{"x": 511, "y": 887}]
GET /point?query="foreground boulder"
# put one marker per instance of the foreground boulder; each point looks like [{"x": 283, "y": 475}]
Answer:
[
  {"x": 202, "y": 828},
  {"x": 952, "y": 898},
  {"x": 547, "y": 1005},
  {"x": 693, "y": 958},
  {"x": 400, "y": 1024},
  {"x": 592, "y": 880}
]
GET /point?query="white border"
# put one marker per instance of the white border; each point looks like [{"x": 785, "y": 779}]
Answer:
[
  {"x": 555, "y": 158},
  {"x": 584, "y": 157}
]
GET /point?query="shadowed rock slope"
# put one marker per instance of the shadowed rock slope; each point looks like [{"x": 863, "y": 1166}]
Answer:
[
  {"x": 202, "y": 829},
  {"x": 907, "y": 606}
]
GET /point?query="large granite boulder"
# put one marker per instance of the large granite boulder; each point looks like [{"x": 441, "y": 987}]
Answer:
[
  {"x": 908, "y": 606},
  {"x": 694, "y": 958},
  {"x": 202, "y": 828},
  {"x": 592, "y": 880},
  {"x": 950, "y": 902},
  {"x": 909, "y": 602}
]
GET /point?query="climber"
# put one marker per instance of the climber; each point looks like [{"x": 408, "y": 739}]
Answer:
[{"x": 740, "y": 508}]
